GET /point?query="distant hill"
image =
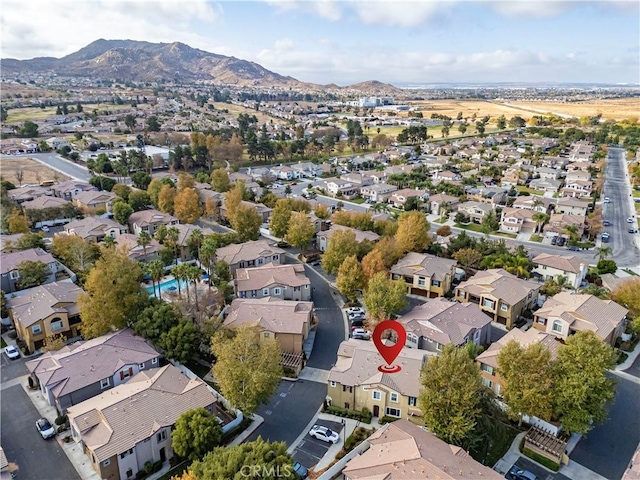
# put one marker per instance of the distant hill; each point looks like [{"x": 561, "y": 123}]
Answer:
[{"x": 376, "y": 88}]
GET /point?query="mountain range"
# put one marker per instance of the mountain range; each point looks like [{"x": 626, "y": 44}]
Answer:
[{"x": 174, "y": 62}]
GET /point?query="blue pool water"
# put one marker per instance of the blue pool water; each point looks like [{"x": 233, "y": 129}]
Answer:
[{"x": 168, "y": 285}]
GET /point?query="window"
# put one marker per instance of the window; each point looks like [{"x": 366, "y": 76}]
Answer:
[
  {"x": 395, "y": 276},
  {"x": 124, "y": 374},
  {"x": 56, "y": 324},
  {"x": 14, "y": 274},
  {"x": 557, "y": 326},
  {"x": 154, "y": 361},
  {"x": 394, "y": 397},
  {"x": 486, "y": 368},
  {"x": 462, "y": 294},
  {"x": 504, "y": 307},
  {"x": 267, "y": 335},
  {"x": 486, "y": 382},
  {"x": 265, "y": 291},
  {"x": 161, "y": 436},
  {"x": 438, "y": 346},
  {"x": 413, "y": 401},
  {"x": 36, "y": 329},
  {"x": 276, "y": 257},
  {"x": 106, "y": 462},
  {"x": 488, "y": 303},
  {"x": 104, "y": 383},
  {"x": 128, "y": 452},
  {"x": 421, "y": 281},
  {"x": 277, "y": 291},
  {"x": 394, "y": 412},
  {"x": 541, "y": 320},
  {"x": 141, "y": 366},
  {"x": 377, "y": 395},
  {"x": 254, "y": 293},
  {"x": 435, "y": 283},
  {"x": 332, "y": 383}
]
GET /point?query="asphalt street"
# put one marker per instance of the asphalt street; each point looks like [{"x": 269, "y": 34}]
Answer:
[
  {"x": 311, "y": 450},
  {"x": 55, "y": 161}
]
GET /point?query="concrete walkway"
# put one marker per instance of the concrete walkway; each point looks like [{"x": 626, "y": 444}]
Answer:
[
  {"x": 314, "y": 375},
  {"x": 630, "y": 359}
]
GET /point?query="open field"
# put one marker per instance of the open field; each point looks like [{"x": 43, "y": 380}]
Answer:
[
  {"x": 618, "y": 109},
  {"x": 235, "y": 110},
  {"x": 32, "y": 171}
]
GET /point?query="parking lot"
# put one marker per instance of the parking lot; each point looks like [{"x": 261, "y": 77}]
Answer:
[
  {"x": 538, "y": 471},
  {"x": 311, "y": 450}
]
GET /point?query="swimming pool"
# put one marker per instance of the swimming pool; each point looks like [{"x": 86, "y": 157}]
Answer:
[{"x": 168, "y": 285}]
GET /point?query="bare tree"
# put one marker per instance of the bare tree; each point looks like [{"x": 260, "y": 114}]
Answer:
[{"x": 19, "y": 175}]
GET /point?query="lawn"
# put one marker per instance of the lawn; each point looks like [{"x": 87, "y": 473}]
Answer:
[
  {"x": 357, "y": 200},
  {"x": 502, "y": 234},
  {"x": 472, "y": 226},
  {"x": 636, "y": 193},
  {"x": 524, "y": 189},
  {"x": 536, "y": 238}
]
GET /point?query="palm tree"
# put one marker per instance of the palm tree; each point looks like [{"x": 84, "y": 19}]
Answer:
[
  {"x": 144, "y": 239},
  {"x": 155, "y": 269},
  {"x": 572, "y": 231},
  {"x": 603, "y": 252},
  {"x": 180, "y": 273},
  {"x": 208, "y": 255},
  {"x": 193, "y": 274},
  {"x": 540, "y": 218},
  {"x": 109, "y": 241},
  {"x": 381, "y": 207},
  {"x": 173, "y": 234},
  {"x": 195, "y": 241}
]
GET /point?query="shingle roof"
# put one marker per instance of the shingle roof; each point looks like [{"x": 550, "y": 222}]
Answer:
[
  {"x": 92, "y": 226},
  {"x": 147, "y": 217},
  {"x": 186, "y": 229},
  {"x": 358, "y": 362},
  {"x": 278, "y": 316},
  {"x": 444, "y": 321},
  {"x": 117, "y": 420},
  {"x": 85, "y": 363},
  {"x": 10, "y": 261},
  {"x": 291, "y": 275},
  {"x": 424, "y": 264},
  {"x": 89, "y": 197},
  {"x": 404, "y": 451},
  {"x": 566, "y": 263},
  {"x": 360, "y": 234},
  {"x": 44, "y": 202},
  {"x": 490, "y": 356},
  {"x": 500, "y": 284},
  {"x": 40, "y": 302},
  {"x": 244, "y": 252}
]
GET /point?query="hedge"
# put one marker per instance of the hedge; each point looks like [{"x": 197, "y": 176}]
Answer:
[
  {"x": 363, "y": 416},
  {"x": 536, "y": 457},
  {"x": 387, "y": 419}
]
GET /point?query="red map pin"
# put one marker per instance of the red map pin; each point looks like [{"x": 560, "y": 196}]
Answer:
[{"x": 389, "y": 352}]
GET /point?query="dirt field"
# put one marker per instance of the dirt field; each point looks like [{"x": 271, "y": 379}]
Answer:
[{"x": 33, "y": 172}]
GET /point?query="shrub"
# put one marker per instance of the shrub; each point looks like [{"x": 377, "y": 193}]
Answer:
[
  {"x": 157, "y": 466},
  {"x": 148, "y": 468},
  {"x": 387, "y": 419},
  {"x": 61, "y": 420},
  {"x": 536, "y": 457},
  {"x": 356, "y": 415},
  {"x": 31, "y": 383}
]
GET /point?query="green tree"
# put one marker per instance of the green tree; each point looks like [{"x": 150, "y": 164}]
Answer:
[
  {"x": 155, "y": 269},
  {"x": 112, "y": 294},
  {"x": 144, "y": 240},
  {"x": 121, "y": 212},
  {"x": 350, "y": 278},
  {"x": 342, "y": 244},
  {"x": 33, "y": 273},
  {"x": 30, "y": 240},
  {"x": 233, "y": 463},
  {"x": 17, "y": 222},
  {"x": 301, "y": 230},
  {"x": 468, "y": 257},
  {"x": 490, "y": 223},
  {"x": 384, "y": 296},
  {"x": 247, "y": 367},
  {"x": 196, "y": 433},
  {"x": 582, "y": 388},
  {"x": 450, "y": 394},
  {"x": 413, "y": 232},
  {"x": 138, "y": 200},
  {"x": 527, "y": 380},
  {"x": 122, "y": 190},
  {"x": 158, "y": 318},
  {"x": 220, "y": 180},
  {"x": 141, "y": 180},
  {"x": 279, "y": 219},
  {"x": 207, "y": 255},
  {"x": 540, "y": 218},
  {"x": 180, "y": 341},
  {"x": 606, "y": 266}
]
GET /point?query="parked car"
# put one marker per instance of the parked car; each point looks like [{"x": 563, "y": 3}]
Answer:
[
  {"x": 360, "y": 334},
  {"x": 354, "y": 310},
  {"x": 357, "y": 324},
  {"x": 561, "y": 241},
  {"x": 607, "y": 200},
  {"x": 630, "y": 220},
  {"x": 301, "y": 470},
  {"x": 573, "y": 248},
  {"x": 12, "y": 352},
  {"x": 282, "y": 244},
  {"x": 554, "y": 240},
  {"x": 516, "y": 473},
  {"x": 325, "y": 434},
  {"x": 45, "y": 428},
  {"x": 44, "y": 228},
  {"x": 633, "y": 230},
  {"x": 606, "y": 223}
]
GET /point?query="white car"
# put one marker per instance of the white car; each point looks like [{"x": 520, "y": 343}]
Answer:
[
  {"x": 45, "y": 428},
  {"x": 325, "y": 434},
  {"x": 355, "y": 311},
  {"x": 44, "y": 228},
  {"x": 12, "y": 352},
  {"x": 360, "y": 334},
  {"x": 607, "y": 200},
  {"x": 630, "y": 220}
]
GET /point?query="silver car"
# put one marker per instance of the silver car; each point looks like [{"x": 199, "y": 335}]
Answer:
[{"x": 325, "y": 434}]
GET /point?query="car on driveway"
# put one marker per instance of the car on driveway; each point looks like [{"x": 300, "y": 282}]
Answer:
[
  {"x": 12, "y": 352},
  {"x": 561, "y": 241},
  {"x": 360, "y": 334},
  {"x": 554, "y": 240},
  {"x": 301, "y": 470},
  {"x": 44, "y": 228},
  {"x": 325, "y": 434},
  {"x": 45, "y": 428},
  {"x": 354, "y": 310},
  {"x": 516, "y": 473}
]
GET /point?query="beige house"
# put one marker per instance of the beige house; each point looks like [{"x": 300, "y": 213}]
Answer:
[
  {"x": 572, "y": 206},
  {"x": 517, "y": 220},
  {"x": 476, "y": 211},
  {"x": 286, "y": 282},
  {"x": 90, "y": 200},
  {"x": 185, "y": 230},
  {"x": 46, "y": 310},
  {"x": 355, "y": 381},
  {"x": 559, "y": 222},
  {"x": 488, "y": 360},
  {"x": 498, "y": 293},
  {"x": 322, "y": 238},
  {"x": 441, "y": 202},
  {"x": 129, "y": 425},
  {"x": 404, "y": 451},
  {"x": 438, "y": 322},
  {"x": 288, "y": 321},
  {"x": 138, "y": 252},
  {"x": 149, "y": 221},
  {"x": 573, "y": 268},
  {"x": 250, "y": 254},
  {"x": 95, "y": 229},
  {"x": 379, "y": 192},
  {"x": 425, "y": 274},
  {"x": 533, "y": 202},
  {"x": 71, "y": 189},
  {"x": 400, "y": 197},
  {"x": 343, "y": 188},
  {"x": 565, "y": 314}
]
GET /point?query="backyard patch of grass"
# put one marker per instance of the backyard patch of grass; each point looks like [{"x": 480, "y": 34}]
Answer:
[
  {"x": 536, "y": 238},
  {"x": 522, "y": 188}
]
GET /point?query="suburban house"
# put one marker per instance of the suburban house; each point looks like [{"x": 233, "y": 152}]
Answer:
[
  {"x": 285, "y": 172},
  {"x": 573, "y": 268},
  {"x": 355, "y": 381},
  {"x": 547, "y": 173},
  {"x": 91, "y": 200},
  {"x": 286, "y": 282},
  {"x": 129, "y": 425},
  {"x": 62, "y": 215},
  {"x": 517, "y": 220},
  {"x": 441, "y": 203},
  {"x": 57, "y": 142},
  {"x": 400, "y": 197},
  {"x": 425, "y": 274},
  {"x": 323, "y": 238},
  {"x": 533, "y": 202},
  {"x": 476, "y": 211},
  {"x": 548, "y": 185},
  {"x": 577, "y": 189},
  {"x": 84, "y": 369},
  {"x": 149, "y": 221},
  {"x": 250, "y": 254},
  {"x": 490, "y": 195},
  {"x": 26, "y": 194},
  {"x": 402, "y": 450},
  {"x": 137, "y": 252},
  {"x": 498, "y": 293},
  {"x": 572, "y": 206},
  {"x": 263, "y": 210},
  {"x": 567, "y": 313},
  {"x": 46, "y": 310},
  {"x": 379, "y": 192},
  {"x": 95, "y": 229},
  {"x": 8, "y": 243},
  {"x": 71, "y": 189},
  {"x": 559, "y": 222},
  {"x": 9, "y": 262},
  {"x": 338, "y": 187},
  {"x": 438, "y": 322},
  {"x": 359, "y": 179},
  {"x": 288, "y": 321},
  {"x": 488, "y": 360},
  {"x": 185, "y": 230}
]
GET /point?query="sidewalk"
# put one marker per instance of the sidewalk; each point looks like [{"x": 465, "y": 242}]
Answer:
[{"x": 630, "y": 359}]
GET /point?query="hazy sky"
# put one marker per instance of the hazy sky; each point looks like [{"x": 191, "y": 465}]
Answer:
[{"x": 349, "y": 41}]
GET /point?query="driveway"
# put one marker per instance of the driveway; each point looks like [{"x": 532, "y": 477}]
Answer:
[
  {"x": 634, "y": 369},
  {"x": 311, "y": 450},
  {"x": 542, "y": 474},
  {"x": 608, "y": 448}
]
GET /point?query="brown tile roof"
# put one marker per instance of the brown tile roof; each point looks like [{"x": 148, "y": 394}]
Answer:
[
  {"x": 89, "y": 197},
  {"x": 444, "y": 321},
  {"x": 277, "y": 316},
  {"x": 584, "y": 312},
  {"x": 291, "y": 275},
  {"x": 72, "y": 185},
  {"x": 566, "y": 263},
  {"x": 490, "y": 356},
  {"x": 85, "y": 363},
  {"x": 358, "y": 362},
  {"x": 93, "y": 226},
  {"x": 500, "y": 284},
  {"x": 130, "y": 242},
  {"x": 402, "y": 450},
  {"x": 360, "y": 234},
  {"x": 117, "y": 420},
  {"x": 10, "y": 261},
  {"x": 40, "y": 302},
  {"x": 186, "y": 229},
  {"x": 41, "y": 203},
  {"x": 424, "y": 264},
  {"x": 244, "y": 252},
  {"x": 146, "y": 217}
]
